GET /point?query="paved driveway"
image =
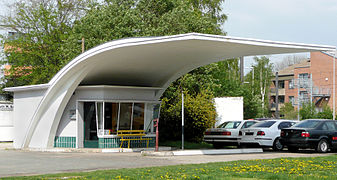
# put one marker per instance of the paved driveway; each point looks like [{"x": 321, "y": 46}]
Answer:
[{"x": 16, "y": 162}]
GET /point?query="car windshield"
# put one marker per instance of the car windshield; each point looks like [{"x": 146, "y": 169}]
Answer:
[
  {"x": 264, "y": 124},
  {"x": 307, "y": 124},
  {"x": 230, "y": 124}
]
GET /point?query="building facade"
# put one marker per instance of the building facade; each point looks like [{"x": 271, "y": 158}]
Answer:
[{"x": 311, "y": 80}]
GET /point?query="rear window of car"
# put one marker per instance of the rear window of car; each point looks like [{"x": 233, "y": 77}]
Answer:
[
  {"x": 265, "y": 124},
  {"x": 307, "y": 124},
  {"x": 248, "y": 124},
  {"x": 230, "y": 124}
]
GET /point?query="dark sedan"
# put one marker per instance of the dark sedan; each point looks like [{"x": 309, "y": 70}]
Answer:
[{"x": 320, "y": 135}]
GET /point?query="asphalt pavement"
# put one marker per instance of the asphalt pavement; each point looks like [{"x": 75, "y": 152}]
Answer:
[{"x": 19, "y": 163}]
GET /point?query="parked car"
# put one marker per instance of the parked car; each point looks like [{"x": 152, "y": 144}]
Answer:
[
  {"x": 226, "y": 134},
  {"x": 320, "y": 135},
  {"x": 265, "y": 134}
]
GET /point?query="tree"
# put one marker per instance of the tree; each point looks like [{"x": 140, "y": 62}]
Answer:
[
  {"x": 260, "y": 83},
  {"x": 116, "y": 19},
  {"x": 288, "y": 111},
  {"x": 307, "y": 111},
  {"x": 35, "y": 53},
  {"x": 326, "y": 113},
  {"x": 288, "y": 61},
  {"x": 199, "y": 115}
]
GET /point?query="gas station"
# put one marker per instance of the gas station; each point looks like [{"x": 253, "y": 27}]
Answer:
[{"x": 116, "y": 87}]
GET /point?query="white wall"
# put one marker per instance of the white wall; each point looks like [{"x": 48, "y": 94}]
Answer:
[
  {"x": 228, "y": 108},
  {"x": 25, "y": 105},
  {"x": 6, "y": 122}
]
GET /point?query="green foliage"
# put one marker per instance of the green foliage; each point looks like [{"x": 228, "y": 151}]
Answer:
[
  {"x": 259, "y": 79},
  {"x": 325, "y": 114},
  {"x": 288, "y": 111},
  {"x": 308, "y": 111},
  {"x": 115, "y": 19},
  {"x": 199, "y": 115},
  {"x": 35, "y": 53}
]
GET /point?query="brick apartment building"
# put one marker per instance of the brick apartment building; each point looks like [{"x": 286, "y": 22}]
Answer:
[{"x": 314, "y": 76}]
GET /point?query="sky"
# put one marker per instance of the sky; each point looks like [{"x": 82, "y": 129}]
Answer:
[{"x": 300, "y": 21}]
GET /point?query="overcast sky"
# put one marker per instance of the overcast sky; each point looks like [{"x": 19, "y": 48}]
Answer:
[{"x": 302, "y": 21}]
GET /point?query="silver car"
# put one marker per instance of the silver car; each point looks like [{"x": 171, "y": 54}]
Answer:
[
  {"x": 227, "y": 133},
  {"x": 265, "y": 134}
]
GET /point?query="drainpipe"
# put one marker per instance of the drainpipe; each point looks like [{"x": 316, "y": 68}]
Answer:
[{"x": 334, "y": 86}]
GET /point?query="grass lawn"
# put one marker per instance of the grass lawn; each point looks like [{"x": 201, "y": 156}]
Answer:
[{"x": 284, "y": 168}]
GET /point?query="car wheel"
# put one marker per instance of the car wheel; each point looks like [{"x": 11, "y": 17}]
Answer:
[
  {"x": 322, "y": 146},
  {"x": 277, "y": 146},
  {"x": 292, "y": 149},
  {"x": 217, "y": 145}
]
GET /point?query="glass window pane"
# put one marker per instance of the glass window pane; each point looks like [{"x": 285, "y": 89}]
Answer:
[
  {"x": 152, "y": 112},
  {"x": 90, "y": 128},
  {"x": 99, "y": 111},
  {"x": 125, "y": 116},
  {"x": 138, "y": 116},
  {"x": 110, "y": 117}
]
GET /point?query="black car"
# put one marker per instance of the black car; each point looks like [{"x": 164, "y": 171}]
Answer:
[{"x": 320, "y": 135}]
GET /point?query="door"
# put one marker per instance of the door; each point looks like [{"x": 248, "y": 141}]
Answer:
[{"x": 90, "y": 127}]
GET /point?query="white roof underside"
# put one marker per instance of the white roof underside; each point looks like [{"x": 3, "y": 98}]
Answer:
[{"x": 157, "y": 61}]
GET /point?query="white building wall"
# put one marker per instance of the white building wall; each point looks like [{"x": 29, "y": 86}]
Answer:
[
  {"x": 228, "y": 108},
  {"x": 25, "y": 105}
]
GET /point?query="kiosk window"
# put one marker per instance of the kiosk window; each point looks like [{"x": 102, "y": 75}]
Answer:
[{"x": 125, "y": 116}]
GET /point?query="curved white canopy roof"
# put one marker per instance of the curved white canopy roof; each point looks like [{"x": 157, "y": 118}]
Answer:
[{"x": 147, "y": 62}]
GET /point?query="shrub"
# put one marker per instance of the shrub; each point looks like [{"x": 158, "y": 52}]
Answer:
[
  {"x": 199, "y": 115},
  {"x": 288, "y": 111}
]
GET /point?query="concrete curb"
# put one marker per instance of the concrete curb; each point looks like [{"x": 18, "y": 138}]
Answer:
[
  {"x": 203, "y": 152},
  {"x": 96, "y": 150}
]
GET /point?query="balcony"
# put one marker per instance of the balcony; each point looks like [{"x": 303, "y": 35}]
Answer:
[
  {"x": 281, "y": 92},
  {"x": 273, "y": 106}
]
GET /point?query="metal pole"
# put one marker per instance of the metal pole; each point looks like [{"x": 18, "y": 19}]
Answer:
[
  {"x": 298, "y": 98},
  {"x": 334, "y": 86},
  {"x": 156, "y": 121},
  {"x": 182, "y": 120},
  {"x": 276, "y": 96},
  {"x": 241, "y": 70}
]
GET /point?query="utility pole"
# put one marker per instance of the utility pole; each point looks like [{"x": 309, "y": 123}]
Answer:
[
  {"x": 241, "y": 70},
  {"x": 276, "y": 97}
]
